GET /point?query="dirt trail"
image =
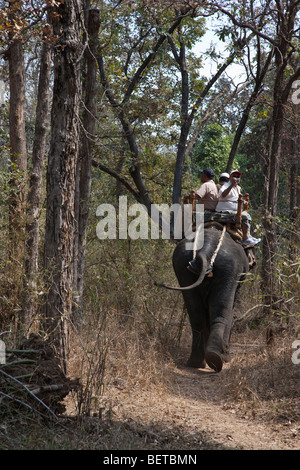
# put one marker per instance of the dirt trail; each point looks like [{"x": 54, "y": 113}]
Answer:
[
  {"x": 204, "y": 409},
  {"x": 195, "y": 414}
]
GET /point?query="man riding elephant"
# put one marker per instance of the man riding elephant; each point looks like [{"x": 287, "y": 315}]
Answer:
[
  {"x": 207, "y": 194},
  {"x": 228, "y": 204}
]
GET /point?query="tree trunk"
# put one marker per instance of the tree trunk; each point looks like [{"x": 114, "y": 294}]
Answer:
[
  {"x": 281, "y": 90},
  {"x": 185, "y": 122},
  {"x": 245, "y": 116},
  {"x": 270, "y": 204},
  {"x": 61, "y": 175},
  {"x": 85, "y": 160},
  {"x": 35, "y": 183},
  {"x": 18, "y": 152},
  {"x": 294, "y": 206},
  {"x": 17, "y": 114},
  {"x": 188, "y": 118}
]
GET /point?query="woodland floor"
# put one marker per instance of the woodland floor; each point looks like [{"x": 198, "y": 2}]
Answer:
[
  {"x": 252, "y": 404},
  {"x": 196, "y": 413}
]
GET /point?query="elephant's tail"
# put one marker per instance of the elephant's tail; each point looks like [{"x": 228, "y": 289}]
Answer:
[{"x": 202, "y": 261}]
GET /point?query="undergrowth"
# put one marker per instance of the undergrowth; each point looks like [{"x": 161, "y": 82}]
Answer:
[{"x": 134, "y": 334}]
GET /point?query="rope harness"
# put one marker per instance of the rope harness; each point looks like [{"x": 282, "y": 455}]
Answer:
[{"x": 217, "y": 249}]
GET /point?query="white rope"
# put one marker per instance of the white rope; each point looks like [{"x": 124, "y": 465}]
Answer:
[{"x": 217, "y": 249}]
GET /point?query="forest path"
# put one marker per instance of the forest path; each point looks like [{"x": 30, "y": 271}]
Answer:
[{"x": 195, "y": 413}]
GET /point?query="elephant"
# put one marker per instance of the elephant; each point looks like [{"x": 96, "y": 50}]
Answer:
[{"x": 210, "y": 298}]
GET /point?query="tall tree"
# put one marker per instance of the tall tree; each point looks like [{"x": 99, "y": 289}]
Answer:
[
  {"x": 61, "y": 173},
  {"x": 31, "y": 264},
  {"x": 188, "y": 112},
  {"x": 85, "y": 156},
  {"x": 11, "y": 18},
  {"x": 178, "y": 30},
  {"x": 285, "y": 50},
  {"x": 18, "y": 147},
  {"x": 281, "y": 35},
  {"x": 140, "y": 54}
]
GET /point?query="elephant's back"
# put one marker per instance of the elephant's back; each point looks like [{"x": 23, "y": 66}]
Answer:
[{"x": 230, "y": 255}]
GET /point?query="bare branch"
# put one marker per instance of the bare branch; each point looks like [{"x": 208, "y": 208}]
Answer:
[
  {"x": 27, "y": 390},
  {"x": 242, "y": 24},
  {"x": 135, "y": 79},
  {"x": 118, "y": 177}
]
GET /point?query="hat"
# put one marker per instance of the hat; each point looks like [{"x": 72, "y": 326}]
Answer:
[
  {"x": 224, "y": 175},
  {"x": 208, "y": 172},
  {"x": 234, "y": 172}
]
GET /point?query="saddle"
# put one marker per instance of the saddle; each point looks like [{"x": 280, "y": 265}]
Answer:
[
  {"x": 233, "y": 228},
  {"x": 237, "y": 235}
]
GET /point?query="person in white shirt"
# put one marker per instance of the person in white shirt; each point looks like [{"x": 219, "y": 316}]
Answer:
[{"x": 228, "y": 203}]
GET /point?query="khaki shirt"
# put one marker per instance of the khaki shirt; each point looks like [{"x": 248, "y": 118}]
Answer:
[{"x": 208, "y": 194}]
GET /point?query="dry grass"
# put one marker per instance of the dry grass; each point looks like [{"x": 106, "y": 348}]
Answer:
[
  {"x": 133, "y": 403},
  {"x": 131, "y": 352},
  {"x": 263, "y": 382}
]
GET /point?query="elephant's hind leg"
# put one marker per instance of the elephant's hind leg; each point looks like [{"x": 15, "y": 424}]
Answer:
[
  {"x": 199, "y": 330},
  {"x": 220, "y": 314},
  {"x": 214, "y": 360},
  {"x": 214, "y": 354},
  {"x": 196, "y": 358}
]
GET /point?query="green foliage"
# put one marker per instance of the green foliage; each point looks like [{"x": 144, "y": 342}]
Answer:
[
  {"x": 252, "y": 178},
  {"x": 212, "y": 149},
  {"x": 129, "y": 36}
]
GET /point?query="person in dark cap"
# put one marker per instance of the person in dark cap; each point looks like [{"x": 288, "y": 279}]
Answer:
[{"x": 207, "y": 194}]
